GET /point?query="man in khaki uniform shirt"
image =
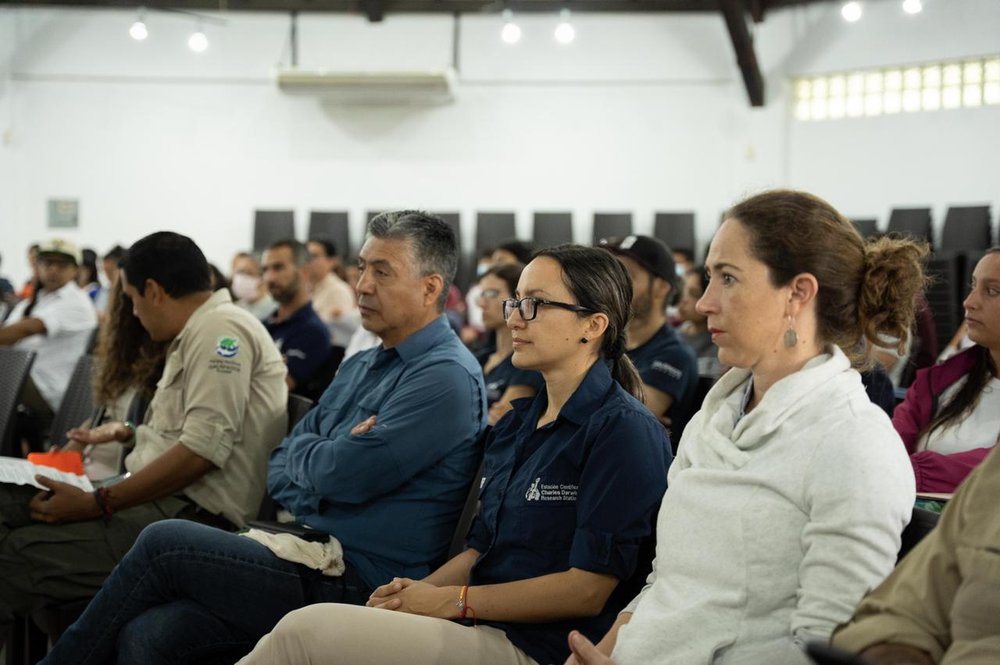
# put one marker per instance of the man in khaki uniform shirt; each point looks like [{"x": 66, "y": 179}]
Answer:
[
  {"x": 942, "y": 602},
  {"x": 219, "y": 409}
]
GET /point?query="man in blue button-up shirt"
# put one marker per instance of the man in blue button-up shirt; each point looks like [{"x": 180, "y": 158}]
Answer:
[{"x": 383, "y": 463}]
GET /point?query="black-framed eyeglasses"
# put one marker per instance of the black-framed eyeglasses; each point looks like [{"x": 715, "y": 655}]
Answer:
[{"x": 528, "y": 307}]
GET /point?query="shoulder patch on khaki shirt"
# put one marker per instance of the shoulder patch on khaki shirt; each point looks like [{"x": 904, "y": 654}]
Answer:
[{"x": 227, "y": 347}]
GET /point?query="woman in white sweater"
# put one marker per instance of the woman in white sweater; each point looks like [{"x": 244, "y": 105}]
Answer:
[{"x": 790, "y": 489}]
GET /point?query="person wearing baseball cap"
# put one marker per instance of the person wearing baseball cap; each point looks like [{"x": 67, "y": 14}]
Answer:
[
  {"x": 56, "y": 323},
  {"x": 667, "y": 366}
]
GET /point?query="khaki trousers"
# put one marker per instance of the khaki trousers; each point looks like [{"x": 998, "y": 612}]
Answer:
[{"x": 329, "y": 634}]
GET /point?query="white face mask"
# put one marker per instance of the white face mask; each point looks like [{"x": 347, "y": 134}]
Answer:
[{"x": 245, "y": 286}]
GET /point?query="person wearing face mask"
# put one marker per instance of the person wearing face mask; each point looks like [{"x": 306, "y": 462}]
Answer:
[{"x": 249, "y": 289}]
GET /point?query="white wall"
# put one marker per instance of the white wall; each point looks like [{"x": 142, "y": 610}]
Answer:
[
  {"x": 869, "y": 165},
  {"x": 642, "y": 113}
]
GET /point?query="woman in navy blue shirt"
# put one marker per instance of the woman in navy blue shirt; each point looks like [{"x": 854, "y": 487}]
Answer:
[
  {"x": 504, "y": 381},
  {"x": 572, "y": 480}
]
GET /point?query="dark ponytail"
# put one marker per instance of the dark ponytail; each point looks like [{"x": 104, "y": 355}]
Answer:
[{"x": 600, "y": 283}]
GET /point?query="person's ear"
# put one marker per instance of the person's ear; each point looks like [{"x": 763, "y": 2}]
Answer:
[
  {"x": 596, "y": 325},
  {"x": 433, "y": 287},
  {"x": 154, "y": 292},
  {"x": 802, "y": 291},
  {"x": 661, "y": 289}
]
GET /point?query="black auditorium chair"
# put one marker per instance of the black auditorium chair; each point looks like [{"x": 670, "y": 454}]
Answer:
[
  {"x": 552, "y": 228},
  {"x": 77, "y": 404},
  {"x": 676, "y": 229},
  {"x": 331, "y": 226},
  {"x": 611, "y": 225},
  {"x": 298, "y": 407},
  {"x": 945, "y": 271},
  {"x": 270, "y": 226},
  {"x": 912, "y": 222},
  {"x": 966, "y": 228},
  {"x": 493, "y": 228},
  {"x": 866, "y": 227},
  {"x": 466, "y": 271},
  {"x": 14, "y": 367},
  {"x": 471, "y": 500}
]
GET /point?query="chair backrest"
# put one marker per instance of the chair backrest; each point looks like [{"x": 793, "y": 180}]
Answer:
[
  {"x": 611, "y": 225},
  {"x": 966, "y": 228},
  {"x": 298, "y": 407},
  {"x": 270, "y": 226},
  {"x": 921, "y": 523},
  {"x": 866, "y": 227},
  {"x": 552, "y": 228},
  {"x": 465, "y": 271},
  {"x": 676, "y": 229},
  {"x": 78, "y": 402},
  {"x": 471, "y": 507},
  {"x": 331, "y": 226},
  {"x": 493, "y": 228},
  {"x": 914, "y": 222},
  {"x": 14, "y": 367},
  {"x": 945, "y": 270}
]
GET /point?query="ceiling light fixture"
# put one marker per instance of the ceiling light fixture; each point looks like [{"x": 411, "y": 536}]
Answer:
[
  {"x": 510, "y": 33},
  {"x": 138, "y": 30},
  {"x": 565, "y": 33},
  {"x": 198, "y": 42},
  {"x": 851, "y": 11},
  {"x": 912, "y": 6}
]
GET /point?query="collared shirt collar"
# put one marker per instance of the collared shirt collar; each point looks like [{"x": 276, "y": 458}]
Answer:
[
  {"x": 586, "y": 399},
  {"x": 71, "y": 284},
  {"x": 220, "y": 297},
  {"x": 423, "y": 340},
  {"x": 300, "y": 313}
]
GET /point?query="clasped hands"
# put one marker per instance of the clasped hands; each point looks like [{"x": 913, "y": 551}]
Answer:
[{"x": 414, "y": 597}]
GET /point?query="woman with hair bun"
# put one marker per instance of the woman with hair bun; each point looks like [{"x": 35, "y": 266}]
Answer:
[
  {"x": 790, "y": 489},
  {"x": 572, "y": 480}
]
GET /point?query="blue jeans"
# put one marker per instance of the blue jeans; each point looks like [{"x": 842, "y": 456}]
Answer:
[{"x": 188, "y": 593}]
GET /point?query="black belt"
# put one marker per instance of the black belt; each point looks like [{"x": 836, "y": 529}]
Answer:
[{"x": 194, "y": 512}]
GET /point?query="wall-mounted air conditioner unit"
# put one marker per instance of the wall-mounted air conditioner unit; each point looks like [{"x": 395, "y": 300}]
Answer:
[{"x": 364, "y": 88}]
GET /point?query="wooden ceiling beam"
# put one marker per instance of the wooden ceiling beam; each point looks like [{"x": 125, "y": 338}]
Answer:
[{"x": 733, "y": 11}]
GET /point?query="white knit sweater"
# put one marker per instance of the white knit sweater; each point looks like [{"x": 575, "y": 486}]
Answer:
[{"x": 772, "y": 530}]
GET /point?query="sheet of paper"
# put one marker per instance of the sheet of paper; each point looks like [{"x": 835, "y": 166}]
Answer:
[{"x": 22, "y": 472}]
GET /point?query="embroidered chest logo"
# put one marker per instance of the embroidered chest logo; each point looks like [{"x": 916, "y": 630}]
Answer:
[
  {"x": 227, "y": 347},
  {"x": 539, "y": 491}
]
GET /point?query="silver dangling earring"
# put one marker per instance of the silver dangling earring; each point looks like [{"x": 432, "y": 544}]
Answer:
[{"x": 791, "y": 337}]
